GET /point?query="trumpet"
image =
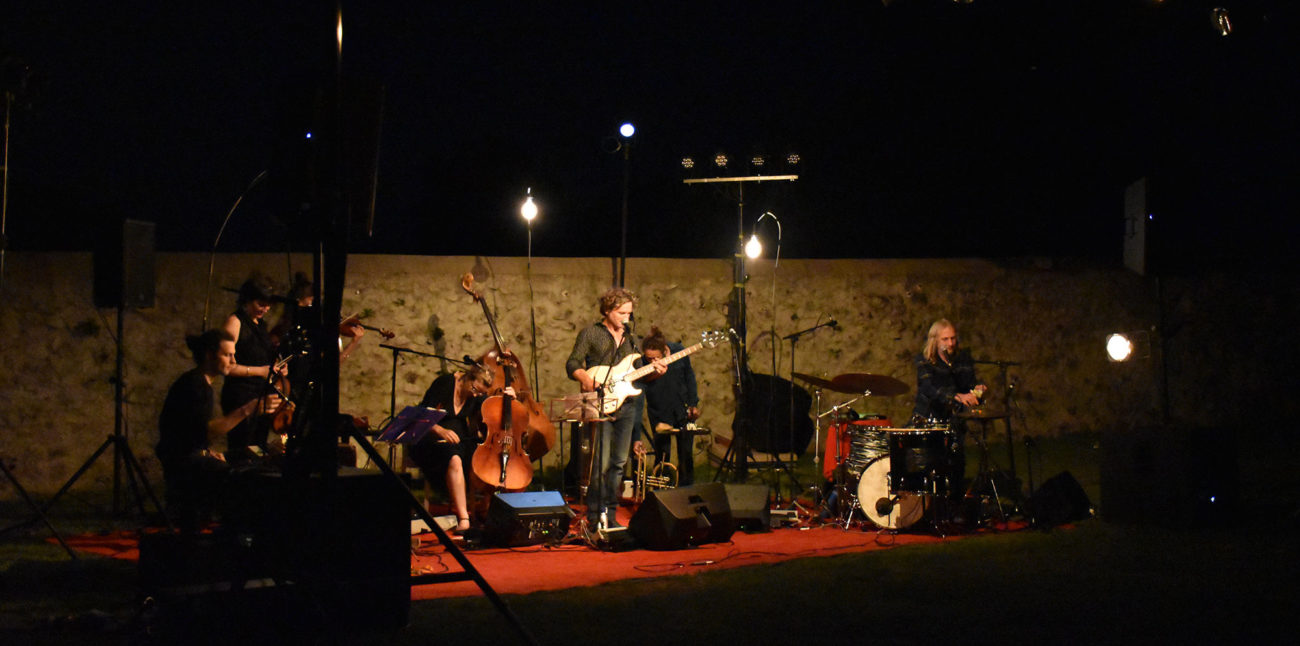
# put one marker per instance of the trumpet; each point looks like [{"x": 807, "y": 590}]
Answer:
[{"x": 662, "y": 475}]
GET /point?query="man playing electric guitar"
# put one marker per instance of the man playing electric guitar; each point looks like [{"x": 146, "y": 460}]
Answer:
[{"x": 606, "y": 344}]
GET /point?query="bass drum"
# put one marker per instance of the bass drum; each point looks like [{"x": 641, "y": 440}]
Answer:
[{"x": 886, "y": 510}]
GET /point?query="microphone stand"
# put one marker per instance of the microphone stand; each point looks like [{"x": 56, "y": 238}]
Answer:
[
  {"x": 1007, "y": 401},
  {"x": 793, "y": 338},
  {"x": 397, "y": 350}
]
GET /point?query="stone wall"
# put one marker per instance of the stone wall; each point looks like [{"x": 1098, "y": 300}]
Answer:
[{"x": 1050, "y": 317}]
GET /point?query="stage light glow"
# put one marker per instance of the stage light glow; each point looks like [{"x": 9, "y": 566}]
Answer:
[
  {"x": 308, "y": 135},
  {"x": 720, "y": 160},
  {"x": 529, "y": 208},
  {"x": 627, "y": 130},
  {"x": 758, "y": 161},
  {"x": 793, "y": 159},
  {"x": 688, "y": 162},
  {"x": 1222, "y": 23},
  {"x": 1119, "y": 347},
  {"x": 753, "y": 248},
  {"x": 338, "y": 31}
]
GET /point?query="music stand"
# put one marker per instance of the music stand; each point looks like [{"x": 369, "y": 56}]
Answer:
[
  {"x": 410, "y": 425},
  {"x": 580, "y": 409}
]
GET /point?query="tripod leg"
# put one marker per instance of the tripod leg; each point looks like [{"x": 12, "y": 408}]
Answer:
[
  {"x": 84, "y": 467},
  {"x": 35, "y": 508},
  {"x": 133, "y": 471},
  {"x": 450, "y": 545}
]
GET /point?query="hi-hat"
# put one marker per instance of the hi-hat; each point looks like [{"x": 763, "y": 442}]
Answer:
[{"x": 861, "y": 382}]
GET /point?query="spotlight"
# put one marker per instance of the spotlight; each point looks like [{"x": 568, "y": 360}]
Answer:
[
  {"x": 529, "y": 208},
  {"x": 1119, "y": 347},
  {"x": 627, "y": 130},
  {"x": 688, "y": 163},
  {"x": 720, "y": 160},
  {"x": 758, "y": 161},
  {"x": 753, "y": 248},
  {"x": 792, "y": 159},
  {"x": 1222, "y": 23}
]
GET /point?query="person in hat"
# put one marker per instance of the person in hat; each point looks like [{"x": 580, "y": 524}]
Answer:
[{"x": 250, "y": 376}]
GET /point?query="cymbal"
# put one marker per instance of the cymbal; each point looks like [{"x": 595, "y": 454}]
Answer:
[
  {"x": 815, "y": 381},
  {"x": 861, "y": 382},
  {"x": 981, "y": 413}
]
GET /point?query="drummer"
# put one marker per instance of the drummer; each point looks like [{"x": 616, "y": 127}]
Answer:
[
  {"x": 945, "y": 386},
  {"x": 945, "y": 377}
]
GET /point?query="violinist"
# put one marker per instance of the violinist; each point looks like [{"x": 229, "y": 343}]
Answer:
[
  {"x": 302, "y": 296},
  {"x": 605, "y": 344},
  {"x": 450, "y": 445},
  {"x": 250, "y": 376},
  {"x": 194, "y": 474}
]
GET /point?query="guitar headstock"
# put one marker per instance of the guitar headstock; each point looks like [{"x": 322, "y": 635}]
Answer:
[
  {"x": 467, "y": 284},
  {"x": 711, "y": 338}
]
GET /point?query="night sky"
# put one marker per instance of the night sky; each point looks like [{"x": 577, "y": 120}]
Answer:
[{"x": 925, "y": 128}]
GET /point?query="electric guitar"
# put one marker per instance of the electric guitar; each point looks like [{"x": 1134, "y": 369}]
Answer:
[{"x": 617, "y": 380}]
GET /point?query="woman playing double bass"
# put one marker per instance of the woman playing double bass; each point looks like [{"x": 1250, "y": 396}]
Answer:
[{"x": 449, "y": 447}]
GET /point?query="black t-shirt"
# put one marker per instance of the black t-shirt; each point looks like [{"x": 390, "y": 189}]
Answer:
[{"x": 183, "y": 423}]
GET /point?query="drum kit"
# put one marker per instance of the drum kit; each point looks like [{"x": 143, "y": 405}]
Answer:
[{"x": 892, "y": 475}]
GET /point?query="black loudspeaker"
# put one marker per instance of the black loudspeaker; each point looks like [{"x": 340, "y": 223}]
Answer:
[
  {"x": 527, "y": 518},
  {"x": 329, "y": 552},
  {"x": 1059, "y": 500},
  {"x": 673, "y": 519},
  {"x": 124, "y": 266},
  {"x": 749, "y": 510},
  {"x": 1170, "y": 476}
]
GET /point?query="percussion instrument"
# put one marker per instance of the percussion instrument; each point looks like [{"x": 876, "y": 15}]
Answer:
[
  {"x": 858, "y": 440},
  {"x": 882, "y": 506}
]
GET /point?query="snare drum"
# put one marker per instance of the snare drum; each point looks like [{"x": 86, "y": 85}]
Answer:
[{"x": 859, "y": 440}]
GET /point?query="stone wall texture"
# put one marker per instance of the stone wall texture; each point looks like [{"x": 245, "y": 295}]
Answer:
[{"x": 1049, "y": 316}]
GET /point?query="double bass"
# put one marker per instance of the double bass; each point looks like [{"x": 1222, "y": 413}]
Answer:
[{"x": 525, "y": 432}]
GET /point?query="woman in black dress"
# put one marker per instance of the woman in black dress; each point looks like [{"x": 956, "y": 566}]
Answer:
[{"x": 450, "y": 446}]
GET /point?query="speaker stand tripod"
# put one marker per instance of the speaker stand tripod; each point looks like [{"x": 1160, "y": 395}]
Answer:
[{"x": 123, "y": 459}]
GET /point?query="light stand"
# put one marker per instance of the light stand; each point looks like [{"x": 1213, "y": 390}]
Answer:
[
  {"x": 737, "y": 456},
  {"x": 754, "y": 249},
  {"x": 4, "y": 243},
  {"x": 626, "y": 131}
]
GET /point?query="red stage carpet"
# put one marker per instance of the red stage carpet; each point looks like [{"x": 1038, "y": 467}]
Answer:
[{"x": 531, "y": 569}]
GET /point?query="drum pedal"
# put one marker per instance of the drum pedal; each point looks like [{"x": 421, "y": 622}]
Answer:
[{"x": 783, "y": 518}]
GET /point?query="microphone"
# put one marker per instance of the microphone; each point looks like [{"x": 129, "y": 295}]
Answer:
[
  {"x": 884, "y": 506},
  {"x": 833, "y": 324},
  {"x": 469, "y": 361}
]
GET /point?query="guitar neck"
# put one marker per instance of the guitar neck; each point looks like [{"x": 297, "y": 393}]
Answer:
[{"x": 648, "y": 368}]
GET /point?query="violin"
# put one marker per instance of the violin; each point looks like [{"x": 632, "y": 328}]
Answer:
[
  {"x": 348, "y": 327},
  {"x": 282, "y": 416},
  {"x": 507, "y": 369}
]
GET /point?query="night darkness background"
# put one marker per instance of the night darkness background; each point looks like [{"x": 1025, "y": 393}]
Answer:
[{"x": 926, "y": 128}]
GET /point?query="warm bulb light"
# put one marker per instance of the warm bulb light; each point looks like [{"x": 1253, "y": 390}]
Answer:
[
  {"x": 1118, "y": 347},
  {"x": 529, "y": 209},
  {"x": 753, "y": 248}
]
